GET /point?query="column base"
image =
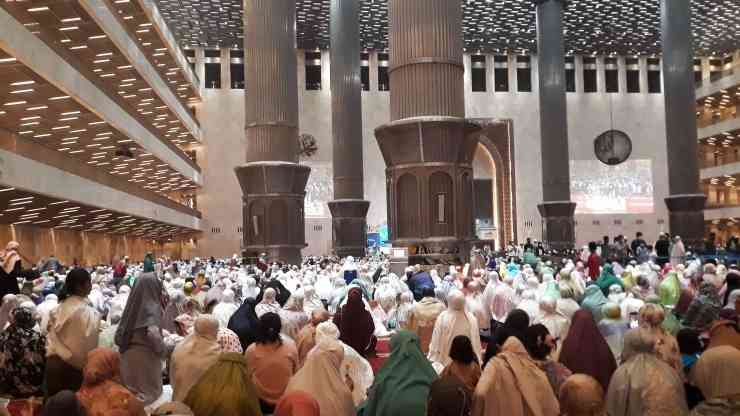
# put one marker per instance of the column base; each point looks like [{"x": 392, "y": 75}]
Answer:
[
  {"x": 558, "y": 228},
  {"x": 686, "y": 218},
  {"x": 349, "y": 226},
  {"x": 273, "y": 216}
]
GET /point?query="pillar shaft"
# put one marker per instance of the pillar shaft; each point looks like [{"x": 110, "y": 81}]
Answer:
[
  {"x": 346, "y": 99},
  {"x": 348, "y": 208},
  {"x": 273, "y": 184},
  {"x": 556, "y": 209},
  {"x": 553, "y": 109},
  {"x": 686, "y": 202},
  {"x": 426, "y": 44},
  {"x": 271, "y": 74},
  {"x": 428, "y": 147}
]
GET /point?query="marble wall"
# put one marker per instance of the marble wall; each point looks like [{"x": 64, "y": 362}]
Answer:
[{"x": 641, "y": 115}]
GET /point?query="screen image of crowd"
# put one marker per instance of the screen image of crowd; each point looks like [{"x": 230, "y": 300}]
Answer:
[
  {"x": 624, "y": 327},
  {"x": 602, "y": 189}
]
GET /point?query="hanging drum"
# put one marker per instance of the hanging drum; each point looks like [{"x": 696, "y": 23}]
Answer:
[{"x": 613, "y": 147}]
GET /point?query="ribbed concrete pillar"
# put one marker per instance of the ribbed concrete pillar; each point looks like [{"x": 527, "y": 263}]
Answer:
[
  {"x": 348, "y": 208},
  {"x": 685, "y": 202},
  {"x": 556, "y": 208},
  {"x": 428, "y": 147},
  {"x": 426, "y": 58},
  {"x": 272, "y": 182}
]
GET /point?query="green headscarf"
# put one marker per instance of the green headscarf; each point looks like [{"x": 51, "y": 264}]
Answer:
[
  {"x": 607, "y": 279},
  {"x": 594, "y": 300},
  {"x": 226, "y": 389},
  {"x": 149, "y": 263},
  {"x": 670, "y": 290},
  {"x": 402, "y": 385},
  {"x": 529, "y": 258}
]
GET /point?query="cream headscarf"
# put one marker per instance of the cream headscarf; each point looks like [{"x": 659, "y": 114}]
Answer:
[
  {"x": 194, "y": 356},
  {"x": 513, "y": 385},
  {"x": 716, "y": 373},
  {"x": 644, "y": 385},
  {"x": 321, "y": 378},
  {"x": 354, "y": 366}
]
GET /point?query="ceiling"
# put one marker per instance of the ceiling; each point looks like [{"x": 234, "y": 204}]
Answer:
[
  {"x": 18, "y": 206},
  {"x": 66, "y": 27},
  {"x": 624, "y": 27},
  {"x": 38, "y": 111}
]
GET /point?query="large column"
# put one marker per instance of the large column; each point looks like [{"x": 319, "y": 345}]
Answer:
[
  {"x": 273, "y": 183},
  {"x": 556, "y": 208},
  {"x": 685, "y": 202},
  {"x": 348, "y": 209},
  {"x": 428, "y": 146}
]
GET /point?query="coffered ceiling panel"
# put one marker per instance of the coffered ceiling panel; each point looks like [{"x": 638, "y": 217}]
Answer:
[{"x": 625, "y": 27}]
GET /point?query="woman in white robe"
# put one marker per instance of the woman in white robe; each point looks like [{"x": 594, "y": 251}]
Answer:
[
  {"x": 451, "y": 323},
  {"x": 223, "y": 311},
  {"x": 555, "y": 322},
  {"x": 311, "y": 300}
]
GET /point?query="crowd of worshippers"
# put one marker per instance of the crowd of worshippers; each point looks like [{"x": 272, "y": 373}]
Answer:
[{"x": 519, "y": 336}]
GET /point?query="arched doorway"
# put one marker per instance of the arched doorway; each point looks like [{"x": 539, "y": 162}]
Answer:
[
  {"x": 485, "y": 192},
  {"x": 494, "y": 173}
]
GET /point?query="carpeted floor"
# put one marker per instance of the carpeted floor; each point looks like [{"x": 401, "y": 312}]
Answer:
[{"x": 382, "y": 351}]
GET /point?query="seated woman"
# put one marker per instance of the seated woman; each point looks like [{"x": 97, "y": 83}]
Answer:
[
  {"x": 321, "y": 378},
  {"x": 402, "y": 385},
  {"x": 582, "y": 395},
  {"x": 452, "y": 393},
  {"x": 356, "y": 371},
  {"x": 226, "y": 389},
  {"x": 451, "y": 323},
  {"x": 355, "y": 323},
  {"x": 716, "y": 375},
  {"x": 63, "y": 403},
  {"x": 273, "y": 360},
  {"x": 194, "y": 356},
  {"x": 22, "y": 356},
  {"x": 513, "y": 385},
  {"x": 102, "y": 393},
  {"x": 644, "y": 384},
  {"x": 464, "y": 364},
  {"x": 585, "y": 350},
  {"x": 539, "y": 344}
]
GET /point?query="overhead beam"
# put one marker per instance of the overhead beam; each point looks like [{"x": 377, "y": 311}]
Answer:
[
  {"x": 57, "y": 183},
  {"x": 27, "y": 48},
  {"x": 112, "y": 26},
  {"x": 155, "y": 17}
]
